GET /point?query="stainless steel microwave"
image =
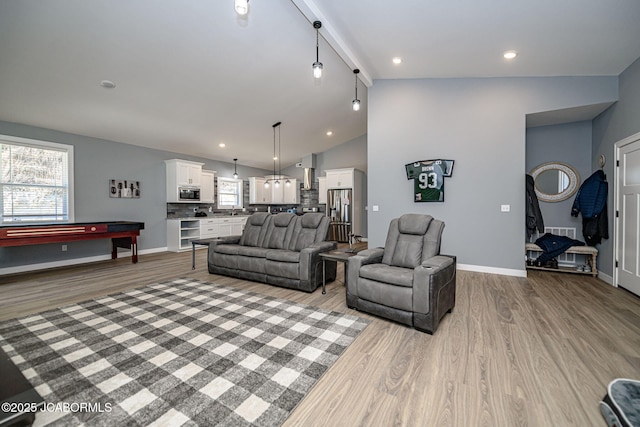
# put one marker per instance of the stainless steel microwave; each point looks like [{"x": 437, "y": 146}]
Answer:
[{"x": 188, "y": 194}]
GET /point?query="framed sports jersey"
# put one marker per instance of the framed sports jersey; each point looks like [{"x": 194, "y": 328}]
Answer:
[{"x": 428, "y": 179}]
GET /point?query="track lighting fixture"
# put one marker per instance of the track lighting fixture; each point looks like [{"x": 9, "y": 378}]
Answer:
[
  {"x": 241, "y": 6},
  {"x": 235, "y": 168},
  {"x": 355, "y": 104},
  {"x": 317, "y": 66}
]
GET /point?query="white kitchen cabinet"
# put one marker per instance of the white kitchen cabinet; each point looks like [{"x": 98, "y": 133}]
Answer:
[
  {"x": 273, "y": 195},
  {"x": 207, "y": 187},
  {"x": 232, "y": 226},
  {"x": 181, "y": 173},
  {"x": 340, "y": 178},
  {"x": 258, "y": 194},
  {"x": 209, "y": 228},
  {"x": 180, "y": 233},
  {"x": 322, "y": 189},
  {"x": 290, "y": 192}
]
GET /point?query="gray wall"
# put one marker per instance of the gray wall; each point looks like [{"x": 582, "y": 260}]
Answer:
[
  {"x": 618, "y": 122},
  {"x": 96, "y": 161},
  {"x": 351, "y": 154},
  {"x": 568, "y": 143},
  {"x": 479, "y": 123}
]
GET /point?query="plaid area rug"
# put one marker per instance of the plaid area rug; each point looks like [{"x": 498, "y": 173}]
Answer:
[{"x": 183, "y": 352}]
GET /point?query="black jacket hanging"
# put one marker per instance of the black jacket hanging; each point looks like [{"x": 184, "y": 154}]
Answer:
[{"x": 534, "y": 215}]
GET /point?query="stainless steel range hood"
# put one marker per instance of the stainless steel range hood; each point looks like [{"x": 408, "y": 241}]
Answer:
[{"x": 309, "y": 164}]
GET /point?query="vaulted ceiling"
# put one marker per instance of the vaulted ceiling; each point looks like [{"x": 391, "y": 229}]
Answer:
[{"x": 191, "y": 74}]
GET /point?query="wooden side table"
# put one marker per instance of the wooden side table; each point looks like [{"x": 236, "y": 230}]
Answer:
[{"x": 339, "y": 256}]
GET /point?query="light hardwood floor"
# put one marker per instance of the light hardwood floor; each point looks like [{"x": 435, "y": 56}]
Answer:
[{"x": 515, "y": 352}]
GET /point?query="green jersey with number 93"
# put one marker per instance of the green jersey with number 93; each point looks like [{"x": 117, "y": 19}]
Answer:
[{"x": 428, "y": 179}]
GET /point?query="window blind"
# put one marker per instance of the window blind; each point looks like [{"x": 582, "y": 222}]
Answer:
[{"x": 35, "y": 181}]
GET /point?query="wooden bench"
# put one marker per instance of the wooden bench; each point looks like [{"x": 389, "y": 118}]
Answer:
[
  {"x": 591, "y": 255},
  {"x": 589, "y": 252}
]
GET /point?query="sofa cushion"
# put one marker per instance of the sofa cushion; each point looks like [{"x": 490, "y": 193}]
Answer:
[
  {"x": 414, "y": 224},
  {"x": 408, "y": 251},
  {"x": 398, "y": 297},
  {"x": 254, "y": 252},
  {"x": 228, "y": 249},
  {"x": 283, "y": 255},
  {"x": 432, "y": 240},
  {"x": 279, "y": 231},
  {"x": 398, "y": 276},
  {"x": 311, "y": 228},
  {"x": 411, "y": 239},
  {"x": 289, "y": 270},
  {"x": 255, "y": 229}
]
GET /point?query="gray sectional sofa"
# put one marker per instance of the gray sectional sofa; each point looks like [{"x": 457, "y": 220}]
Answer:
[{"x": 282, "y": 250}]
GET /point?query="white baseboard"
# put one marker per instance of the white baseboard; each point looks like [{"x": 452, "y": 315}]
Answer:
[
  {"x": 493, "y": 270},
  {"x": 73, "y": 261},
  {"x": 605, "y": 278}
]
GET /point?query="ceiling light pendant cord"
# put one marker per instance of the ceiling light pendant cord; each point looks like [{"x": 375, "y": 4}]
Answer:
[
  {"x": 317, "y": 66},
  {"x": 235, "y": 168},
  {"x": 355, "y": 104}
]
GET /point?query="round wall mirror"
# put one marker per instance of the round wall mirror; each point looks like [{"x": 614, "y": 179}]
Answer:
[{"x": 555, "y": 181}]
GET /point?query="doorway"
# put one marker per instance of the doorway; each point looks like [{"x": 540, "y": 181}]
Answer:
[{"x": 627, "y": 224}]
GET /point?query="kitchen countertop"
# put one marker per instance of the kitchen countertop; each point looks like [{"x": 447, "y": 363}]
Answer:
[{"x": 209, "y": 216}]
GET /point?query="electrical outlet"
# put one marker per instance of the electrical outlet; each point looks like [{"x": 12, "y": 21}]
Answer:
[
  {"x": 505, "y": 208},
  {"x": 64, "y": 248}
]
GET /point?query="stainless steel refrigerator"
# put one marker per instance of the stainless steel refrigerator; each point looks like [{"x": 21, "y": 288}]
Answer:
[{"x": 340, "y": 210}]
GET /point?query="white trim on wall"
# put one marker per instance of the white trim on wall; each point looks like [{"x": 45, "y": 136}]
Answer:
[
  {"x": 73, "y": 261},
  {"x": 492, "y": 270}
]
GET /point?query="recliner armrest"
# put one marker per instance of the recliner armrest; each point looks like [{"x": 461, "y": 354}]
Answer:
[
  {"x": 429, "y": 278},
  {"x": 310, "y": 256},
  {"x": 437, "y": 262},
  {"x": 368, "y": 256},
  {"x": 225, "y": 241},
  {"x": 371, "y": 256}
]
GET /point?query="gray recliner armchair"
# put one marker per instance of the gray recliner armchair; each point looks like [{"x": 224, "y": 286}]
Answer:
[{"x": 407, "y": 281}]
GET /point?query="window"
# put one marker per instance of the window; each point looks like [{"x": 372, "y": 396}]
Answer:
[
  {"x": 36, "y": 181},
  {"x": 229, "y": 193}
]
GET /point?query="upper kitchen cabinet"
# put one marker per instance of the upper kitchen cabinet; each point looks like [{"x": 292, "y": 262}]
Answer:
[
  {"x": 184, "y": 172},
  {"x": 322, "y": 189},
  {"x": 282, "y": 194},
  {"x": 289, "y": 192},
  {"x": 207, "y": 187},
  {"x": 258, "y": 193},
  {"x": 181, "y": 173},
  {"x": 339, "y": 178}
]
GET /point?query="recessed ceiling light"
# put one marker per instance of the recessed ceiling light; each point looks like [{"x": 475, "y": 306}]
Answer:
[
  {"x": 329, "y": 133},
  {"x": 222, "y": 145},
  {"x": 107, "y": 84},
  {"x": 397, "y": 60},
  {"x": 510, "y": 54}
]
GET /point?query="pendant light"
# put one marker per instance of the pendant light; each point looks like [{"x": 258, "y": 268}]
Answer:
[
  {"x": 235, "y": 168},
  {"x": 355, "y": 104},
  {"x": 317, "y": 66},
  {"x": 241, "y": 6},
  {"x": 276, "y": 181}
]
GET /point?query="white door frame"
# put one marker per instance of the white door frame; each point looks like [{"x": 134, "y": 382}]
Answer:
[{"x": 616, "y": 170}]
